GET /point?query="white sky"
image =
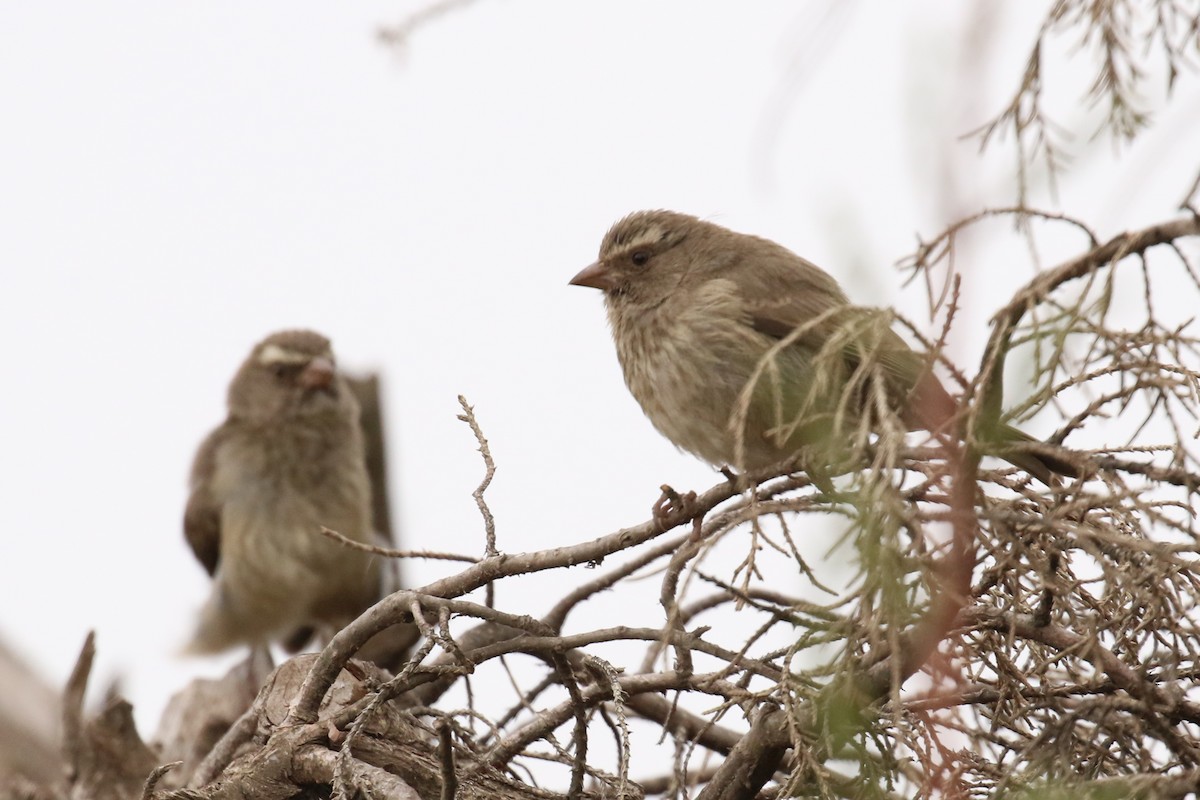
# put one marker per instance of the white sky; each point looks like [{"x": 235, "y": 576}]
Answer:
[{"x": 179, "y": 179}]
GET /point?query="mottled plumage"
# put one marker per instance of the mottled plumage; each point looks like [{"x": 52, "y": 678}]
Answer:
[
  {"x": 287, "y": 460},
  {"x": 694, "y": 309}
]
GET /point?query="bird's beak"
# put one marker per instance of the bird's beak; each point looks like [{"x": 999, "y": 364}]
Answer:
[
  {"x": 596, "y": 276},
  {"x": 317, "y": 375}
]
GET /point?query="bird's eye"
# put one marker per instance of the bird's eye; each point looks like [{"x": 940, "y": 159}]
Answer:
[
  {"x": 640, "y": 258},
  {"x": 282, "y": 370}
]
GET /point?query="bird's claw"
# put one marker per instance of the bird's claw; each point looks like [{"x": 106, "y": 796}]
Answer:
[{"x": 671, "y": 503}]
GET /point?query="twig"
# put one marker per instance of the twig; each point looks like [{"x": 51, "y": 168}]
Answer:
[
  {"x": 446, "y": 754},
  {"x": 72, "y": 708},
  {"x": 489, "y": 522},
  {"x": 155, "y": 776},
  {"x": 393, "y": 608},
  {"x": 389, "y": 552}
]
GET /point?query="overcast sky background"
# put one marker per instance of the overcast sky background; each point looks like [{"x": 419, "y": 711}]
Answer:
[{"x": 180, "y": 179}]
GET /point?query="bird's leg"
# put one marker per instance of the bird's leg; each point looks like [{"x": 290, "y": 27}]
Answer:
[{"x": 259, "y": 665}]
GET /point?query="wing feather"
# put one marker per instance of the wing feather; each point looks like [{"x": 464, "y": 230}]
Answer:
[{"x": 202, "y": 516}]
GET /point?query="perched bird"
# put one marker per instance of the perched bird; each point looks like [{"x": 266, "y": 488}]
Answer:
[
  {"x": 287, "y": 460},
  {"x": 745, "y": 354}
]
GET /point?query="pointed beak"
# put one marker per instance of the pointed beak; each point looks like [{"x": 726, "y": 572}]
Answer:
[
  {"x": 317, "y": 375},
  {"x": 596, "y": 276}
]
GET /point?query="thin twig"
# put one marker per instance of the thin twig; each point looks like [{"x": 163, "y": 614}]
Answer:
[{"x": 489, "y": 522}]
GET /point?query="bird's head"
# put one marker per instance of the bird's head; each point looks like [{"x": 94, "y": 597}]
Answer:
[
  {"x": 288, "y": 373},
  {"x": 647, "y": 256}
]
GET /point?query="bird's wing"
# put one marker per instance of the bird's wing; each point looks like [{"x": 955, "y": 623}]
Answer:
[
  {"x": 783, "y": 293},
  {"x": 791, "y": 293},
  {"x": 202, "y": 516},
  {"x": 367, "y": 391}
]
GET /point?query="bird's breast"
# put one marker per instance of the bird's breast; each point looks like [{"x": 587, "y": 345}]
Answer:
[
  {"x": 276, "y": 495},
  {"x": 686, "y": 363}
]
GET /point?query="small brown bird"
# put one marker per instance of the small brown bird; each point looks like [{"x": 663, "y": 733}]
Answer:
[
  {"x": 745, "y": 354},
  {"x": 287, "y": 460}
]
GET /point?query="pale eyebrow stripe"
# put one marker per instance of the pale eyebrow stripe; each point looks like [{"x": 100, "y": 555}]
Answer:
[
  {"x": 650, "y": 235},
  {"x": 274, "y": 354}
]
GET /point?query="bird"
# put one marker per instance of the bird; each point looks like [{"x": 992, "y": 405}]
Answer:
[
  {"x": 748, "y": 356},
  {"x": 287, "y": 460}
]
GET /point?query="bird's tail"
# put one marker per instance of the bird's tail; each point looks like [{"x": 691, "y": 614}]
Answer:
[
  {"x": 210, "y": 639},
  {"x": 217, "y": 630},
  {"x": 1030, "y": 454}
]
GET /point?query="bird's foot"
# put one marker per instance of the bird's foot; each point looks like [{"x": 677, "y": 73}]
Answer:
[{"x": 673, "y": 504}]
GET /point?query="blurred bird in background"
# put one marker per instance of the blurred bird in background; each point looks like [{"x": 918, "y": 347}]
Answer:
[{"x": 291, "y": 457}]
